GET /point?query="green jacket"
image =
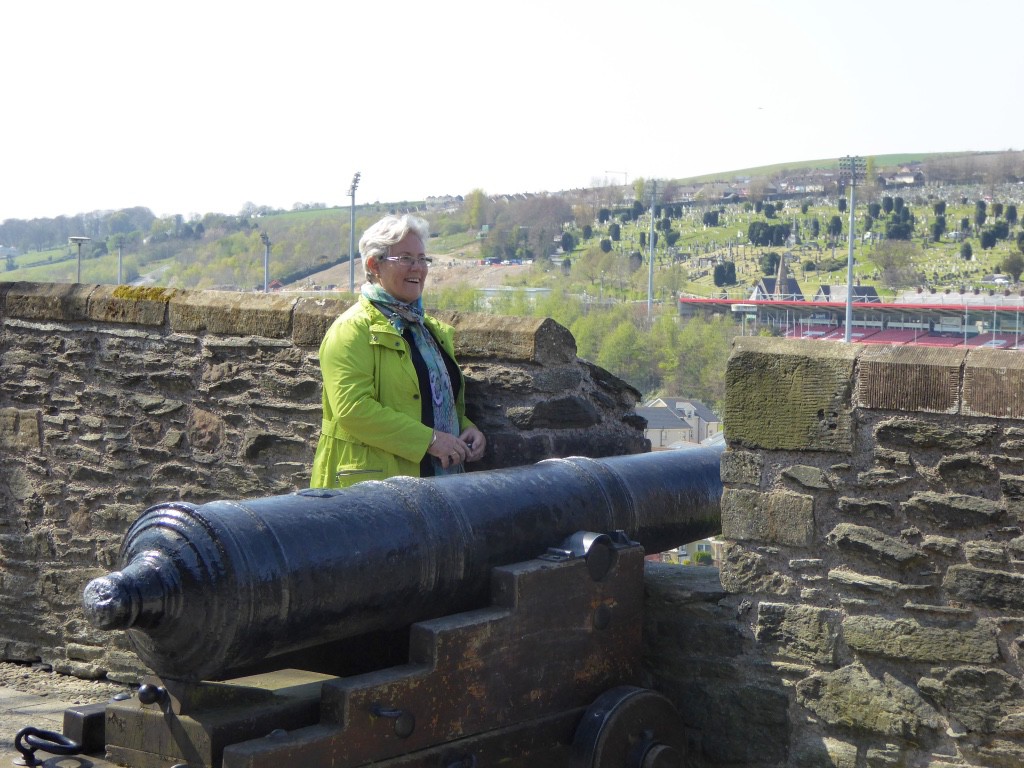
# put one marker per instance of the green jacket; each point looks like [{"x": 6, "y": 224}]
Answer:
[{"x": 372, "y": 401}]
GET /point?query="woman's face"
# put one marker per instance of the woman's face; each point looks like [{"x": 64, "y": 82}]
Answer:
[{"x": 405, "y": 283}]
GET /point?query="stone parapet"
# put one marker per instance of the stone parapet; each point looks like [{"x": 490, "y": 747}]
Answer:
[{"x": 875, "y": 532}]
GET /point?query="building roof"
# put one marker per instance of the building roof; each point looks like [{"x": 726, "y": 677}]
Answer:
[
  {"x": 866, "y": 293},
  {"x": 659, "y": 417},
  {"x": 766, "y": 289},
  {"x": 673, "y": 403}
]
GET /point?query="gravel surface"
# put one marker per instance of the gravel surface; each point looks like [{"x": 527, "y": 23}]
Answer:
[{"x": 36, "y": 709}]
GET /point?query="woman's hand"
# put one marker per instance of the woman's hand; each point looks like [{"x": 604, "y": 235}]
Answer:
[
  {"x": 449, "y": 449},
  {"x": 475, "y": 441}
]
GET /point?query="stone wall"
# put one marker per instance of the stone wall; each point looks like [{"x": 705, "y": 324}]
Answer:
[
  {"x": 114, "y": 399},
  {"x": 870, "y": 608},
  {"x": 871, "y": 605}
]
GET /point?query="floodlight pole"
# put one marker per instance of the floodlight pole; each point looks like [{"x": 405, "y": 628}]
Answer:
[
  {"x": 266, "y": 261},
  {"x": 650, "y": 264},
  {"x": 78, "y": 240},
  {"x": 352, "y": 235},
  {"x": 850, "y": 167}
]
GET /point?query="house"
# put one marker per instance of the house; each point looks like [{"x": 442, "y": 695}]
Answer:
[
  {"x": 782, "y": 287},
  {"x": 907, "y": 176},
  {"x": 664, "y": 427},
  {"x": 693, "y": 421}
]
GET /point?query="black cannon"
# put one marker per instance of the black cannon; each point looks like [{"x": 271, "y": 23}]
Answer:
[
  {"x": 523, "y": 589},
  {"x": 207, "y": 589}
]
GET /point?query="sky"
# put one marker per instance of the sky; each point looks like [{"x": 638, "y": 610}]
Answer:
[{"x": 192, "y": 107}]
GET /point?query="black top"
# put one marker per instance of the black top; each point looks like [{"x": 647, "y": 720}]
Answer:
[{"x": 426, "y": 405}]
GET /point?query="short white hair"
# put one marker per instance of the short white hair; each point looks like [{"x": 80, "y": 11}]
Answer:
[{"x": 378, "y": 239}]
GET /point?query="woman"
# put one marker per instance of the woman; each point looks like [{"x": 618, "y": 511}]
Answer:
[{"x": 393, "y": 396}]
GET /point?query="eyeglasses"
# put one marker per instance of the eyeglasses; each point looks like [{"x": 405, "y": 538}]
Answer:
[{"x": 408, "y": 261}]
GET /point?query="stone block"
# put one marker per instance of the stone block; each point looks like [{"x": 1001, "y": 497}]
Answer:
[
  {"x": 789, "y": 395},
  {"x": 965, "y": 471},
  {"x": 744, "y": 572},
  {"x": 909, "y": 640},
  {"x": 807, "y": 477},
  {"x": 136, "y": 305},
  {"x": 19, "y": 430},
  {"x": 523, "y": 339},
  {"x": 978, "y": 698},
  {"x": 993, "y": 384},
  {"x": 311, "y": 318},
  {"x": 873, "y": 544},
  {"x": 231, "y": 314},
  {"x": 985, "y": 586},
  {"x": 919, "y": 434},
  {"x": 742, "y": 467},
  {"x": 852, "y": 698},
  {"x": 909, "y": 378},
  {"x": 799, "y": 632},
  {"x": 953, "y": 510},
  {"x": 777, "y": 517},
  {"x": 64, "y": 302}
]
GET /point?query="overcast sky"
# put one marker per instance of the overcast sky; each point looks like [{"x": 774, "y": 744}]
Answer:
[{"x": 195, "y": 107}]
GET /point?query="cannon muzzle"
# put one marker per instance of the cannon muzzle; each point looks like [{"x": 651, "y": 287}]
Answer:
[{"x": 206, "y": 589}]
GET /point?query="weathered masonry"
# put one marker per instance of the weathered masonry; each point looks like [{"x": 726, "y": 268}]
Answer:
[
  {"x": 871, "y": 605},
  {"x": 115, "y": 399},
  {"x": 870, "y": 609}
]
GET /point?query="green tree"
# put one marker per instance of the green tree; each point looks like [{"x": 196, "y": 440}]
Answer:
[
  {"x": 769, "y": 262},
  {"x": 841, "y": 204},
  {"x": 1011, "y": 214},
  {"x": 1013, "y": 265},
  {"x": 835, "y": 227},
  {"x": 979, "y": 214},
  {"x": 568, "y": 243},
  {"x": 475, "y": 207},
  {"x": 895, "y": 260},
  {"x": 966, "y": 252},
  {"x": 887, "y": 204}
]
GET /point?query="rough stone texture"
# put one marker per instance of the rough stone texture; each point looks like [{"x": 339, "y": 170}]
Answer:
[
  {"x": 800, "y": 632},
  {"x": 780, "y": 517},
  {"x": 114, "y": 399},
  {"x": 851, "y": 698},
  {"x": 994, "y": 385},
  {"x": 910, "y": 640},
  {"x": 895, "y": 622},
  {"x": 744, "y": 468},
  {"x": 909, "y": 378},
  {"x": 695, "y": 655},
  {"x": 788, "y": 396},
  {"x": 873, "y": 544}
]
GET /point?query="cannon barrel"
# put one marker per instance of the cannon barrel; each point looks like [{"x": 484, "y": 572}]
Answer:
[{"x": 206, "y": 589}]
